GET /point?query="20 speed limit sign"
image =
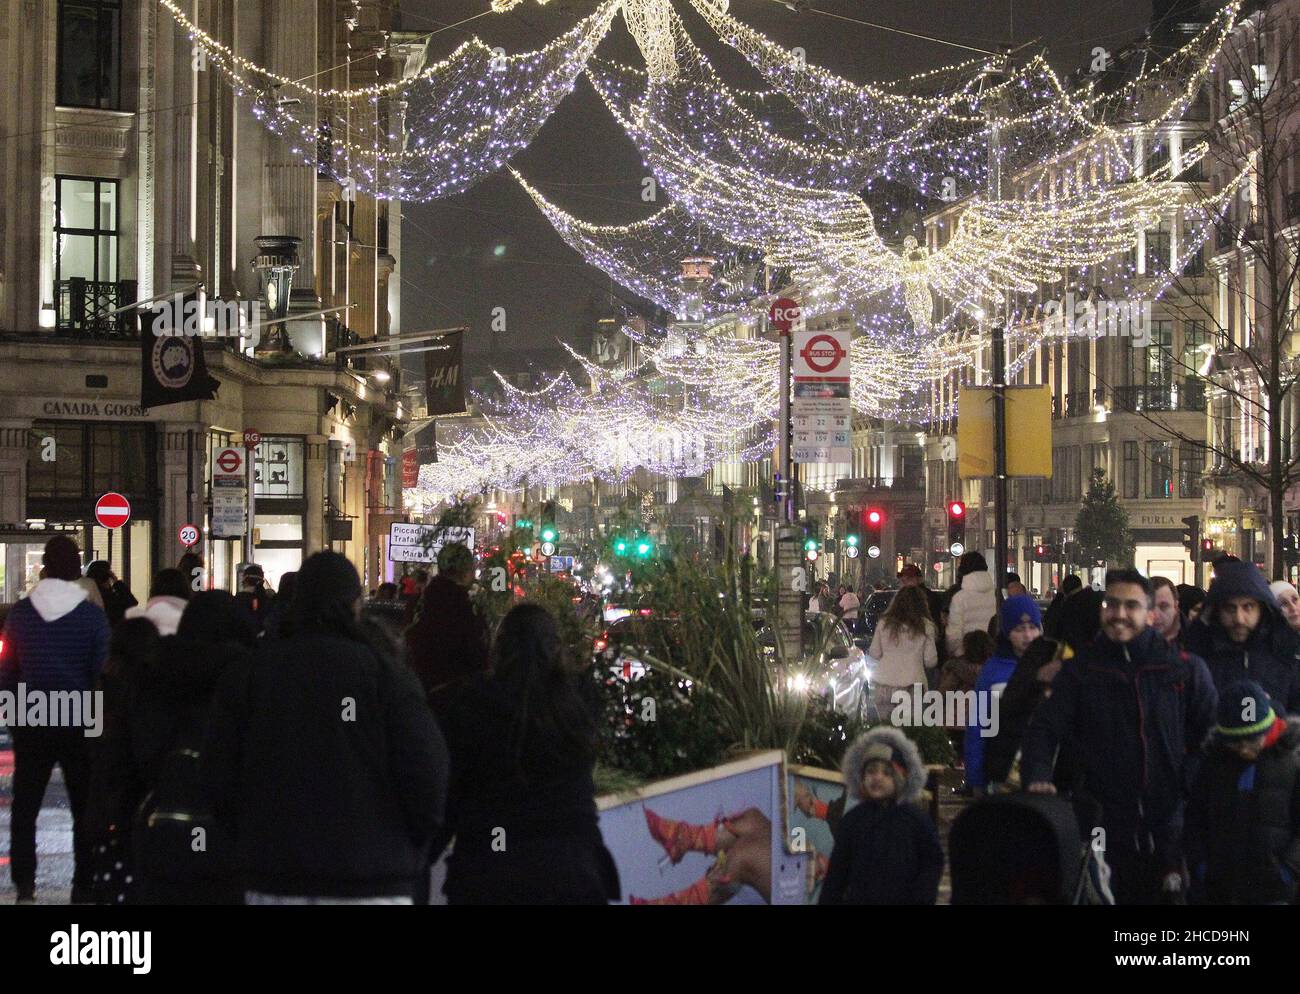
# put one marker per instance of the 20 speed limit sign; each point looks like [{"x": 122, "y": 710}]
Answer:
[{"x": 189, "y": 535}]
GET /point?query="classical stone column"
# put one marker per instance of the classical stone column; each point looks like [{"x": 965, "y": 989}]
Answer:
[
  {"x": 314, "y": 538},
  {"x": 176, "y": 509},
  {"x": 14, "y": 435},
  {"x": 289, "y": 183}
]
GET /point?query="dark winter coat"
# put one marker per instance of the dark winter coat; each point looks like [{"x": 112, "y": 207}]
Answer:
[
  {"x": 1079, "y": 620},
  {"x": 1242, "y": 838},
  {"x": 54, "y": 639},
  {"x": 117, "y": 599},
  {"x": 169, "y": 717},
  {"x": 1132, "y": 713},
  {"x": 885, "y": 853},
  {"x": 526, "y": 831},
  {"x": 449, "y": 641},
  {"x": 1268, "y": 656},
  {"x": 323, "y": 761}
]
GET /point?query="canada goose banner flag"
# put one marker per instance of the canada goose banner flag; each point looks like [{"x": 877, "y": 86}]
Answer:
[
  {"x": 172, "y": 368},
  {"x": 444, "y": 377}
]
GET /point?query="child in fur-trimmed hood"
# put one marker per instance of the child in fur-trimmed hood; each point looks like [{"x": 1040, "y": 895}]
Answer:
[{"x": 886, "y": 848}]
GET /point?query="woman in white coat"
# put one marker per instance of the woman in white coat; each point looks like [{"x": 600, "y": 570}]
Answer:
[
  {"x": 973, "y": 605},
  {"x": 904, "y": 648}
]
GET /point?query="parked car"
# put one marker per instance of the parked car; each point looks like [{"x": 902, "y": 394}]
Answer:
[
  {"x": 833, "y": 664},
  {"x": 871, "y": 611},
  {"x": 632, "y": 640}
]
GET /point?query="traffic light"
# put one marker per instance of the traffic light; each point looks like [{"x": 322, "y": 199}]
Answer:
[
  {"x": 1044, "y": 552},
  {"x": 811, "y": 548},
  {"x": 1207, "y": 547},
  {"x": 956, "y": 528},
  {"x": 620, "y": 546},
  {"x": 873, "y": 525},
  {"x": 525, "y": 523},
  {"x": 1192, "y": 534},
  {"x": 851, "y": 546},
  {"x": 549, "y": 533},
  {"x": 644, "y": 547}
]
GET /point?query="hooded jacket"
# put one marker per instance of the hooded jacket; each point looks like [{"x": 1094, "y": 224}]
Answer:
[
  {"x": 54, "y": 639},
  {"x": 970, "y": 609},
  {"x": 1243, "y": 824},
  {"x": 165, "y": 613},
  {"x": 1133, "y": 712},
  {"x": 1268, "y": 656},
  {"x": 885, "y": 853}
]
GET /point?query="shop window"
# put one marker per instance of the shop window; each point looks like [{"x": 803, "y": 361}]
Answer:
[
  {"x": 279, "y": 467},
  {"x": 89, "y": 460}
]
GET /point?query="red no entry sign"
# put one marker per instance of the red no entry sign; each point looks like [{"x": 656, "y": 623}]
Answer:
[{"x": 112, "y": 510}]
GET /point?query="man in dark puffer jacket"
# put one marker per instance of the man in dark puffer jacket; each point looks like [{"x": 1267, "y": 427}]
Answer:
[
  {"x": 1135, "y": 710},
  {"x": 1241, "y": 635},
  {"x": 1243, "y": 819}
]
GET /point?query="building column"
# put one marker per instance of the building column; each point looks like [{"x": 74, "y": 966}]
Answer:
[
  {"x": 14, "y": 435},
  {"x": 314, "y": 483},
  {"x": 181, "y": 466}
]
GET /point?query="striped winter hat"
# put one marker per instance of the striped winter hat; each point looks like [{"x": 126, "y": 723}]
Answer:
[{"x": 1245, "y": 710}]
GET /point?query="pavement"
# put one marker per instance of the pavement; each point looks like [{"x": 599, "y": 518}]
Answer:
[{"x": 53, "y": 839}]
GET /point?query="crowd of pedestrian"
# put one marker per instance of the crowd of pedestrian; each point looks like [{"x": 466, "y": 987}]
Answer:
[{"x": 315, "y": 746}]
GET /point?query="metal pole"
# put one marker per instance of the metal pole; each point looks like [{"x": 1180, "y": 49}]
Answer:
[
  {"x": 999, "y": 368},
  {"x": 189, "y": 475}
]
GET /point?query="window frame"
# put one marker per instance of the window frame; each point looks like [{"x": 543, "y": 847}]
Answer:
[{"x": 112, "y": 100}]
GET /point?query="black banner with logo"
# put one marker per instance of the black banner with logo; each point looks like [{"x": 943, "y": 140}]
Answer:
[
  {"x": 172, "y": 367},
  {"x": 444, "y": 377}
]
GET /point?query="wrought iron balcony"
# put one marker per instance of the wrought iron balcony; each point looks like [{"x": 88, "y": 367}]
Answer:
[{"x": 84, "y": 307}]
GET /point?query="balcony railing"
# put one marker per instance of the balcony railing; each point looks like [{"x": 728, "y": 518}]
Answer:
[
  {"x": 83, "y": 307},
  {"x": 1187, "y": 396}
]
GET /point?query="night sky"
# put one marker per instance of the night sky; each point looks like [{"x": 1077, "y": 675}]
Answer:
[{"x": 581, "y": 160}]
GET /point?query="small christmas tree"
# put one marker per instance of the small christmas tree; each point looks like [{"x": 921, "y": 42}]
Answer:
[{"x": 1101, "y": 527}]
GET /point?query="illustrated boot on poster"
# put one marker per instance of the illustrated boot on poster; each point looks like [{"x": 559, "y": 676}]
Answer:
[{"x": 680, "y": 837}]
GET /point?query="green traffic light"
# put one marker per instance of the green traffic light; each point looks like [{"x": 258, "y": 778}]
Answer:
[
  {"x": 852, "y": 540},
  {"x": 620, "y": 546},
  {"x": 549, "y": 534},
  {"x": 810, "y": 545},
  {"x": 643, "y": 549}
]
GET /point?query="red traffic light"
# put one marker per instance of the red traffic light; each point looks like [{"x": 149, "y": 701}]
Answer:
[
  {"x": 956, "y": 509},
  {"x": 1207, "y": 544},
  {"x": 874, "y": 517}
]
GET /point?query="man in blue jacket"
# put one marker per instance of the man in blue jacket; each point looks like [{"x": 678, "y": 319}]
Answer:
[
  {"x": 55, "y": 641},
  {"x": 1241, "y": 635},
  {"x": 1134, "y": 710}
]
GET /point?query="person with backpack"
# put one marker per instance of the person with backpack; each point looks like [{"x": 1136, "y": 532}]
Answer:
[
  {"x": 1242, "y": 838},
  {"x": 886, "y": 848},
  {"x": 523, "y": 802},
  {"x": 322, "y": 760},
  {"x": 171, "y": 706}
]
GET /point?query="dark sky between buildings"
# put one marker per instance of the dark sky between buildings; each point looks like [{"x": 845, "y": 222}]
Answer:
[{"x": 490, "y": 247}]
